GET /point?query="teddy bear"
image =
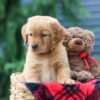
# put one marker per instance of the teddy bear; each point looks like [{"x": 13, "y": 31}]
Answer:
[{"x": 79, "y": 45}]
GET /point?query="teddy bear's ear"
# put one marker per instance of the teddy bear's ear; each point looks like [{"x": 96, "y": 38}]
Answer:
[
  {"x": 91, "y": 35},
  {"x": 23, "y": 32},
  {"x": 90, "y": 40}
]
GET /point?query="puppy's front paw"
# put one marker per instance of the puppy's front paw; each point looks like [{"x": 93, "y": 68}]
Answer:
[{"x": 67, "y": 81}]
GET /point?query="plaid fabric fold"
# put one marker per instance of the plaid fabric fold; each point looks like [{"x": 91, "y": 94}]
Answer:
[{"x": 55, "y": 91}]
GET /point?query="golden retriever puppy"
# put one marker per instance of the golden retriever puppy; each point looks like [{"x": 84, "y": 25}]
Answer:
[{"x": 46, "y": 59}]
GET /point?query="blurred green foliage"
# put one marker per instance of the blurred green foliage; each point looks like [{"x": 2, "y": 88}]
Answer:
[{"x": 13, "y": 14}]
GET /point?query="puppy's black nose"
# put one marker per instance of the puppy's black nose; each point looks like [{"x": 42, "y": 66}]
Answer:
[{"x": 34, "y": 46}]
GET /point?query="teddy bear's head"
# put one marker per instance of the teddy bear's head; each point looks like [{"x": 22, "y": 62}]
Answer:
[{"x": 78, "y": 40}]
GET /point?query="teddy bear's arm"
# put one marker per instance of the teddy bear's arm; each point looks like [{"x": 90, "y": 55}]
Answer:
[
  {"x": 95, "y": 68},
  {"x": 84, "y": 76},
  {"x": 96, "y": 71},
  {"x": 74, "y": 75}
]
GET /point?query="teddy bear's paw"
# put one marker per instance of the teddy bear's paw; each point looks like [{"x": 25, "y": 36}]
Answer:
[
  {"x": 84, "y": 76},
  {"x": 67, "y": 81}
]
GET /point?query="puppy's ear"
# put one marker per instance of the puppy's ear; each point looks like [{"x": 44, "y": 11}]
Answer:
[
  {"x": 23, "y": 32},
  {"x": 58, "y": 31}
]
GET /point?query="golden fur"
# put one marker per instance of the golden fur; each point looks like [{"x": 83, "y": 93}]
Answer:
[{"x": 48, "y": 62}]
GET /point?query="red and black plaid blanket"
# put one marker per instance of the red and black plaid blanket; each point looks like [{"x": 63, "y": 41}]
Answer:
[{"x": 55, "y": 91}]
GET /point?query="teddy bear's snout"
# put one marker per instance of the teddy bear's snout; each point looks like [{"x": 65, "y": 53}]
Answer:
[{"x": 78, "y": 42}]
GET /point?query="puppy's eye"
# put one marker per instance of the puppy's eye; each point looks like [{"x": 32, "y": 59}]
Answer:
[
  {"x": 43, "y": 35},
  {"x": 30, "y": 34}
]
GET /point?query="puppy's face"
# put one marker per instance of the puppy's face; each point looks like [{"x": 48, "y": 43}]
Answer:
[{"x": 42, "y": 33}]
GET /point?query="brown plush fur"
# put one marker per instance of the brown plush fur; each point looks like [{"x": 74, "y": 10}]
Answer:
[
  {"x": 48, "y": 62},
  {"x": 76, "y": 41}
]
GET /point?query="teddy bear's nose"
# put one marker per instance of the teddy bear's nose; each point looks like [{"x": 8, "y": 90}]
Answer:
[{"x": 78, "y": 42}]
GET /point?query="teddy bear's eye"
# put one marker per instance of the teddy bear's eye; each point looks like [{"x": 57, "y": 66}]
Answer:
[
  {"x": 80, "y": 37},
  {"x": 74, "y": 36}
]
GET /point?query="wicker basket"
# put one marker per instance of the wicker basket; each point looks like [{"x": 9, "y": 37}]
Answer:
[{"x": 18, "y": 89}]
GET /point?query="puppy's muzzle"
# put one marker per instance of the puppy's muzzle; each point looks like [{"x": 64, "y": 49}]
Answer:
[{"x": 34, "y": 46}]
